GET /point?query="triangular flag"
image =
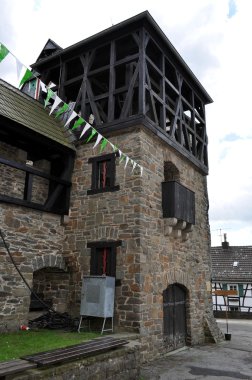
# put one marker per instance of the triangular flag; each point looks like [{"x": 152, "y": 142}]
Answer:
[
  {"x": 99, "y": 137},
  {"x": 63, "y": 109},
  {"x": 134, "y": 165},
  {"x": 50, "y": 94},
  {"x": 19, "y": 67},
  {"x": 27, "y": 75},
  {"x": 103, "y": 144},
  {"x": 126, "y": 163},
  {"x": 114, "y": 147},
  {"x": 43, "y": 87},
  {"x": 72, "y": 116},
  {"x": 94, "y": 131},
  {"x": 122, "y": 157},
  {"x": 3, "y": 52},
  {"x": 78, "y": 123},
  {"x": 57, "y": 101},
  {"x": 85, "y": 129}
]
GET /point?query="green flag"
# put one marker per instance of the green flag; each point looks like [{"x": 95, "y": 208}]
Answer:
[
  {"x": 94, "y": 131},
  {"x": 3, "y": 52},
  {"x": 122, "y": 158},
  {"x": 63, "y": 109},
  {"x": 50, "y": 94},
  {"x": 27, "y": 75},
  {"x": 78, "y": 123},
  {"x": 103, "y": 144}
]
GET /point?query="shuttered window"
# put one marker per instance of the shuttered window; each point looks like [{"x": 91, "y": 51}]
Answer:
[
  {"x": 103, "y": 173},
  {"x": 103, "y": 258}
]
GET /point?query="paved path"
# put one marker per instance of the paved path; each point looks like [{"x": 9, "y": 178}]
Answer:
[{"x": 225, "y": 361}]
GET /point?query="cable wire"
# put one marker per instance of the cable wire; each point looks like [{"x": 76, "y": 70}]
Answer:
[{"x": 21, "y": 275}]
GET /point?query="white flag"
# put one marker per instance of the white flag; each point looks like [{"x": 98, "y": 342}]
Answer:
[
  {"x": 134, "y": 165},
  {"x": 85, "y": 129},
  {"x": 99, "y": 137},
  {"x": 72, "y": 116},
  {"x": 126, "y": 163},
  {"x": 57, "y": 101},
  {"x": 43, "y": 87},
  {"x": 19, "y": 68}
]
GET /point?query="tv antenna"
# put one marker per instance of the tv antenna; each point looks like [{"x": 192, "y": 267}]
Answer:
[{"x": 221, "y": 234}]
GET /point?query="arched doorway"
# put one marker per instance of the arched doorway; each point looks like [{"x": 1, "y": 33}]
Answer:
[
  {"x": 51, "y": 284},
  {"x": 174, "y": 311}
]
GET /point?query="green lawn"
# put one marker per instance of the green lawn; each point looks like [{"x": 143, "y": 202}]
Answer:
[{"x": 15, "y": 345}]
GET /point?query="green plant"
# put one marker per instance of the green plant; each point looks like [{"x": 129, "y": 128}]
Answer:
[{"x": 17, "y": 344}]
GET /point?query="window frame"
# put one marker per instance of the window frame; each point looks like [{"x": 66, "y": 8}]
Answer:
[
  {"x": 95, "y": 161},
  {"x": 112, "y": 245}
]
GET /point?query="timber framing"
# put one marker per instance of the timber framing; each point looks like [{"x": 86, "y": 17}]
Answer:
[
  {"x": 34, "y": 153},
  {"x": 131, "y": 73}
]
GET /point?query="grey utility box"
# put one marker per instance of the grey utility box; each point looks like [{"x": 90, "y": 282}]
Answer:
[{"x": 97, "y": 296}]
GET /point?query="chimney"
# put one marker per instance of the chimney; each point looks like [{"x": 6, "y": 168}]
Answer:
[{"x": 225, "y": 243}]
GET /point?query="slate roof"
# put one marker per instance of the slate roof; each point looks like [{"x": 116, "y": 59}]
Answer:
[
  {"x": 223, "y": 260},
  {"x": 28, "y": 112},
  {"x": 49, "y": 49}
]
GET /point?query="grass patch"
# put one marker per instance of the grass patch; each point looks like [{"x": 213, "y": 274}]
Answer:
[{"x": 17, "y": 344}]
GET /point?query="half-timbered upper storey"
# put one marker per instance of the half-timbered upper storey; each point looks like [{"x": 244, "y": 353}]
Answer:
[{"x": 128, "y": 74}]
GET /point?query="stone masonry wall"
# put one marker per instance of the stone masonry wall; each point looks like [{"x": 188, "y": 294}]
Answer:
[
  {"x": 35, "y": 241},
  {"x": 109, "y": 216},
  {"x": 155, "y": 252},
  {"x": 172, "y": 258},
  {"x": 119, "y": 364},
  {"x": 149, "y": 260}
]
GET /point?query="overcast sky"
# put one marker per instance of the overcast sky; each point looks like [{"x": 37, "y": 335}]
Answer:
[{"x": 213, "y": 37}]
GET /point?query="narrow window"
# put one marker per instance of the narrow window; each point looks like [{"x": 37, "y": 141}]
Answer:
[
  {"x": 103, "y": 258},
  {"x": 103, "y": 173},
  {"x": 103, "y": 262}
]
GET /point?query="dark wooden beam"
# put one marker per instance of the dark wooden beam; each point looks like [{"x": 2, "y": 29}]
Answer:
[
  {"x": 111, "y": 101},
  {"x": 129, "y": 95}
]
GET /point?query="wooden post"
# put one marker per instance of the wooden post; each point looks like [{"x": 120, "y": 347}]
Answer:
[{"x": 225, "y": 294}]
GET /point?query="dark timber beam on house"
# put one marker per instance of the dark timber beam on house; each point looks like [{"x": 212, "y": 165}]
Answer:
[{"x": 132, "y": 72}]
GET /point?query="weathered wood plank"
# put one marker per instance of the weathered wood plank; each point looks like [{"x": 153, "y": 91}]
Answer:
[
  {"x": 14, "y": 366},
  {"x": 75, "y": 352}
]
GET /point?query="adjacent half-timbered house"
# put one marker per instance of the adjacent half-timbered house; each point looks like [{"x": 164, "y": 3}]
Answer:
[
  {"x": 232, "y": 270},
  {"x": 149, "y": 230}
]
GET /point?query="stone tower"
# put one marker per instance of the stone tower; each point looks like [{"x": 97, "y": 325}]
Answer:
[{"x": 149, "y": 231}]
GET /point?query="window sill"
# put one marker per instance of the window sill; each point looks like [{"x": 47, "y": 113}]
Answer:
[{"x": 105, "y": 190}]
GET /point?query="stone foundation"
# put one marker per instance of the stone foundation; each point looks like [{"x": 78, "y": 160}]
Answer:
[{"x": 121, "y": 364}]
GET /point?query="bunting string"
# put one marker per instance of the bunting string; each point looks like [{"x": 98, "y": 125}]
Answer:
[{"x": 51, "y": 96}]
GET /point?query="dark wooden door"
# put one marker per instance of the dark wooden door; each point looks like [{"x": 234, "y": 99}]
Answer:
[{"x": 174, "y": 299}]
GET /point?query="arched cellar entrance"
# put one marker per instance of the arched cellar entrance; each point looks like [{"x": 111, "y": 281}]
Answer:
[
  {"x": 51, "y": 284},
  {"x": 175, "y": 316}
]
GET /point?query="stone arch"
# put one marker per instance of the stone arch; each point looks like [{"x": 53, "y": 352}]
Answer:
[
  {"x": 179, "y": 277},
  {"x": 171, "y": 172},
  {"x": 49, "y": 260},
  {"x": 104, "y": 233},
  {"x": 50, "y": 282}
]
